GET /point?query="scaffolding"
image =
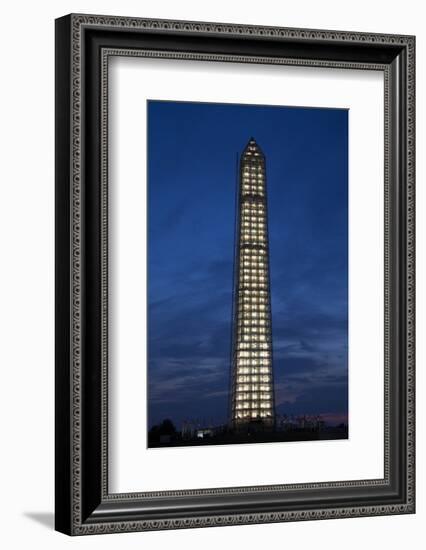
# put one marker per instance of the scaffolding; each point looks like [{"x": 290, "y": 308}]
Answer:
[{"x": 252, "y": 401}]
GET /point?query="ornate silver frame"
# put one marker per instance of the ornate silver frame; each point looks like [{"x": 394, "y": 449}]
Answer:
[{"x": 84, "y": 44}]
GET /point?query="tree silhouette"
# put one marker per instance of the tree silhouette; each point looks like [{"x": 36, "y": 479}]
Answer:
[{"x": 165, "y": 428}]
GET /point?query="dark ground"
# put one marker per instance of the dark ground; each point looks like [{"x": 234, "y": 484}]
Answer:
[{"x": 232, "y": 438}]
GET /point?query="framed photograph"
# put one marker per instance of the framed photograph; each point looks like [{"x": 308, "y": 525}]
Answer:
[{"x": 234, "y": 274}]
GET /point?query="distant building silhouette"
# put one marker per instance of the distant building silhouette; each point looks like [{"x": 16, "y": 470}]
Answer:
[{"x": 252, "y": 389}]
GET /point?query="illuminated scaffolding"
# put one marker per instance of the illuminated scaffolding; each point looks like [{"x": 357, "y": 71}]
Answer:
[{"x": 252, "y": 387}]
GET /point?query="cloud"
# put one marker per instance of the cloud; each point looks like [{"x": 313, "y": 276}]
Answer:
[
  {"x": 189, "y": 351},
  {"x": 309, "y": 385}
]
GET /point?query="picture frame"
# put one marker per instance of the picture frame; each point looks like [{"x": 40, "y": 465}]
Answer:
[{"x": 84, "y": 44}]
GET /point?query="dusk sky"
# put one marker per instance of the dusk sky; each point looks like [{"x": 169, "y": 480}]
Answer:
[{"x": 192, "y": 149}]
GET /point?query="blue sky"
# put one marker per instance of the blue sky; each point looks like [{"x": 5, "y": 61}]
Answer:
[{"x": 192, "y": 151}]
